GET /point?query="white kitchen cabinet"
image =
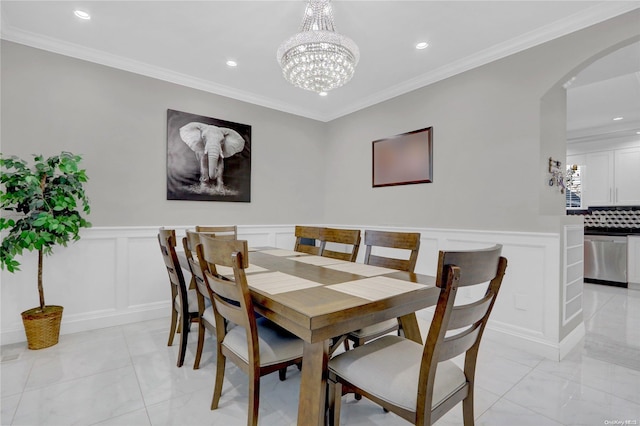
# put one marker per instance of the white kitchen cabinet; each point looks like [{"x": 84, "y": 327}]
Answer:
[
  {"x": 627, "y": 176},
  {"x": 598, "y": 179},
  {"x": 612, "y": 178}
]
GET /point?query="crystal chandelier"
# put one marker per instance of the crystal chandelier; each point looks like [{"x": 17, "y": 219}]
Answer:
[{"x": 318, "y": 58}]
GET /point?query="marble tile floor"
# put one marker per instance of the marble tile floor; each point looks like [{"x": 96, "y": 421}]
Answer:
[{"x": 126, "y": 375}]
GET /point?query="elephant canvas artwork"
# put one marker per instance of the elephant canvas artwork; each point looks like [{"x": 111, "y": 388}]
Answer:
[{"x": 207, "y": 159}]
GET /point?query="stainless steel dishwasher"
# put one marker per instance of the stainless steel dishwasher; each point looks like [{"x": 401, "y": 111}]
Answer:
[{"x": 605, "y": 259}]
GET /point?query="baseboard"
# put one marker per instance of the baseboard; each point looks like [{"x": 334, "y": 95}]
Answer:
[
  {"x": 96, "y": 320},
  {"x": 573, "y": 339},
  {"x": 536, "y": 344},
  {"x": 539, "y": 346}
]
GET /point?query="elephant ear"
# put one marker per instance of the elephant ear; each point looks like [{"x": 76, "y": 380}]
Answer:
[
  {"x": 191, "y": 134},
  {"x": 233, "y": 142}
]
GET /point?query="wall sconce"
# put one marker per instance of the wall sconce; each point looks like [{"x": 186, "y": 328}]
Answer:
[{"x": 557, "y": 174}]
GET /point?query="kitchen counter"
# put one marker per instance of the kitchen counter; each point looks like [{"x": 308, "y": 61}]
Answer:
[{"x": 611, "y": 231}]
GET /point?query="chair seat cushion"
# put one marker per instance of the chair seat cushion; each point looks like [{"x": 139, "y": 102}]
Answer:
[
  {"x": 192, "y": 298},
  {"x": 276, "y": 344},
  {"x": 389, "y": 368},
  {"x": 209, "y": 317},
  {"x": 376, "y": 329}
]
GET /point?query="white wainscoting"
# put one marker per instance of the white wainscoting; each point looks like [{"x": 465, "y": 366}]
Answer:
[
  {"x": 573, "y": 281},
  {"x": 115, "y": 275}
]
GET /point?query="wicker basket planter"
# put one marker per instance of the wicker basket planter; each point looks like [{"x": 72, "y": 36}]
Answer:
[{"x": 42, "y": 326}]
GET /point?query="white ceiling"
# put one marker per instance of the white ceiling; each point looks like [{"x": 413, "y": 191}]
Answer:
[
  {"x": 606, "y": 89},
  {"x": 189, "y": 42}
]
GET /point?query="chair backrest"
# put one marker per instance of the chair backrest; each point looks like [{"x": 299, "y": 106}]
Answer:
[
  {"x": 190, "y": 243},
  {"x": 341, "y": 236},
  {"x": 231, "y": 299},
  {"x": 396, "y": 240},
  {"x": 167, "y": 241},
  {"x": 314, "y": 233},
  {"x": 228, "y": 232},
  {"x": 458, "y": 329}
]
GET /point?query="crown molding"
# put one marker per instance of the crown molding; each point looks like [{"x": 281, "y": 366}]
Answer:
[
  {"x": 609, "y": 131},
  {"x": 73, "y": 50},
  {"x": 591, "y": 16},
  {"x": 578, "y": 21}
]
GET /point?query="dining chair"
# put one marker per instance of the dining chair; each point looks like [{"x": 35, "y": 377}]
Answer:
[
  {"x": 184, "y": 301},
  {"x": 305, "y": 235},
  {"x": 207, "y": 321},
  {"x": 348, "y": 237},
  {"x": 256, "y": 345},
  {"x": 226, "y": 232},
  {"x": 418, "y": 382},
  {"x": 375, "y": 242}
]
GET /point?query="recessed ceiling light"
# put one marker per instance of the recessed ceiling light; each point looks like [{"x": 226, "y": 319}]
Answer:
[
  {"x": 618, "y": 118},
  {"x": 422, "y": 45},
  {"x": 323, "y": 93},
  {"x": 638, "y": 132},
  {"x": 82, "y": 14},
  {"x": 232, "y": 63}
]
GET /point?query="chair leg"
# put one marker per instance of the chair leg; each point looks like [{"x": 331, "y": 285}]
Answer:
[
  {"x": 174, "y": 325},
  {"x": 184, "y": 325},
  {"x": 217, "y": 388},
  {"x": 201, "y": 333},
  {"x": 283, "y": 374},
  {"x": 329, "y": 403},
  {"x": 335, "y": 400},
  {"x": 467, "y": 409},
  {"x": 254, "y": 400},
  {"x": 357, "y": 343}
]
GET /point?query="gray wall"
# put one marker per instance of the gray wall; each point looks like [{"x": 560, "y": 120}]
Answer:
[
  {"x": 492, "y": 139},
  {"x": 494, "y": 129},
  {"x": 117, "y": 121}
]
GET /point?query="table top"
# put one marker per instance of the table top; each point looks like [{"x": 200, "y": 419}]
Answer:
[{"x": 321, "y": 312}]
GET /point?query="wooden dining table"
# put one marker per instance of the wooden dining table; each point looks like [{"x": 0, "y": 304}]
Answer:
[{"x": 330, "y": 299}]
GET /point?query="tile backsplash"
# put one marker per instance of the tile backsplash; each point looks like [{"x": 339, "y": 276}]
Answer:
[{"x": 611, "y": 217}]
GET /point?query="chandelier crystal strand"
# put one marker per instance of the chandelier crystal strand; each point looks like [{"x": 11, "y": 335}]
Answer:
[{"x": 318, "y": 58}]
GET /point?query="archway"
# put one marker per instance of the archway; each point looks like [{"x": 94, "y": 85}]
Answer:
[
  {"x": 603, "y": 115},
  {"x": 553, "y": 142},
  {"x": 553, "y": 128}
]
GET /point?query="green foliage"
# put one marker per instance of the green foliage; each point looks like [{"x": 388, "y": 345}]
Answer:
[{"x": 48, "y": 201}]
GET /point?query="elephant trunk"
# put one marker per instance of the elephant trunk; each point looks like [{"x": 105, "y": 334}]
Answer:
[{"x": 213, "y": 165}]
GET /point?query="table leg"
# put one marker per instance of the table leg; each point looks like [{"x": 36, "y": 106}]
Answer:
[
  {"x": 313, "y": 383},
  {"x": 410, "y": 327}
]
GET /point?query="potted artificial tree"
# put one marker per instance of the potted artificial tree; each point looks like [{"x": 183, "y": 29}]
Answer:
[{"x": 41, "y": 206}]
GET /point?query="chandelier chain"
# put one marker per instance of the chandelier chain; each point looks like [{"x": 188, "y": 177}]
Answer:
[{"x": 318, "y": 16}]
